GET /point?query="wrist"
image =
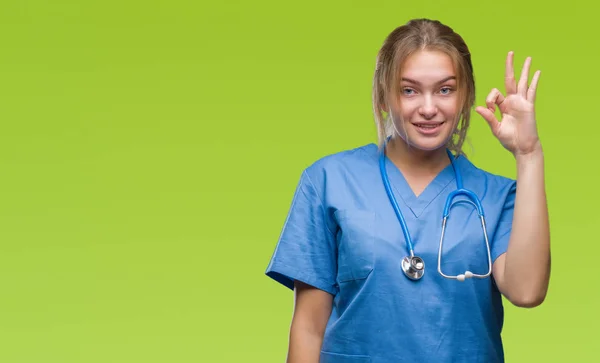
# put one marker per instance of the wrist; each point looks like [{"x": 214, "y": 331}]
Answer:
[
  {"x": 531, "y": 162},
  {"x": 535, "y": 154}
]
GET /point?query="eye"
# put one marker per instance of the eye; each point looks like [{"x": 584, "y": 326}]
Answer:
[
  {"x": 407, "y": 91},
  {"x": 445, "y": 90}
]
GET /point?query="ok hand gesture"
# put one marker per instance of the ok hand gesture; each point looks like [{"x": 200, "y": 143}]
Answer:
[{"x": 517, "y": 130}]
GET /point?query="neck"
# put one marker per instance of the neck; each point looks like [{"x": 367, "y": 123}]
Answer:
[{"x": 415, "y": 160}]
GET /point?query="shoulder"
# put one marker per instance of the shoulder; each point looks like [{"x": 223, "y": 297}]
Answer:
[
  {"x": 486, "y": 182},
  {"x": 338, "y": 164}
]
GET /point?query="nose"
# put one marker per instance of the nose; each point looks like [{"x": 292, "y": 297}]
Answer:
[{"x": 428, "y": 109}]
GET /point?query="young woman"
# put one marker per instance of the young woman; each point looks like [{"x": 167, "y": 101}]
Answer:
[{"x": 402, "y": 251}]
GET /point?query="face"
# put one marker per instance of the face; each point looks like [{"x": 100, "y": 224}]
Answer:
[{"x": 427, "y": 108}]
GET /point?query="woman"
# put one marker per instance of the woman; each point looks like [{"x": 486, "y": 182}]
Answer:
[{"x": 369, "y": 290}]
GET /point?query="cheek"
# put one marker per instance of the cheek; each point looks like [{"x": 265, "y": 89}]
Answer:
[
  {"x": 450, "y": 106},
  {"x": 408, "y": 109}
]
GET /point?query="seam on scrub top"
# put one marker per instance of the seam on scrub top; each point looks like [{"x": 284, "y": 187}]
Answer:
[
  {"x": 320, "y": 202},
  {"x": 443, "y": 187},
  {"x": 310, "y": 279},
  {"x": 496, "y": 237}
]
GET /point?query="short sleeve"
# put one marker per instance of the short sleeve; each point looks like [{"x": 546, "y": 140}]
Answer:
[
  {"x": 504, "y": 227},
  {"x": 306, "y": 250}
]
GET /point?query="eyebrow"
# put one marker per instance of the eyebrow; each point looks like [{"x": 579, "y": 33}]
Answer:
[{"x": 417, "y": 82}]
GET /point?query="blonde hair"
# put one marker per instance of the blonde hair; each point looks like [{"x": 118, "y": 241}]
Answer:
[{"x": 422, "y": 34}]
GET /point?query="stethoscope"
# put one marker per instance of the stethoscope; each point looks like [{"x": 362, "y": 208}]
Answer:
[{"x": 414, "y": 266}]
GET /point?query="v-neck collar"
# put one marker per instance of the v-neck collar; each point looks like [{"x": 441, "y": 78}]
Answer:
[{"x": 417, "y": 204}]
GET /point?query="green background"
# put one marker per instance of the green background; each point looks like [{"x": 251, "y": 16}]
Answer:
[{"x": 149, "y": 151}]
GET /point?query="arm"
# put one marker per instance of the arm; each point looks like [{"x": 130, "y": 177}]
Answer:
[
  {"x": 312, "y": 308},
  {"x": 523, "y": 272}
]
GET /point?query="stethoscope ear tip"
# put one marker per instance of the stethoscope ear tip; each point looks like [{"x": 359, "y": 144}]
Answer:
[{"x": 462, "y": 277}]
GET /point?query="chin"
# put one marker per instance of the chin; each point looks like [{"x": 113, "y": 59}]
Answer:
[
  {"x": 428, "y": 145},
  {"x": 433, "y": 142}
]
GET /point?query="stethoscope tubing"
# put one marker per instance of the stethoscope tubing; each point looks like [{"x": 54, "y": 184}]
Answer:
[{"x": 471, "y": 199}]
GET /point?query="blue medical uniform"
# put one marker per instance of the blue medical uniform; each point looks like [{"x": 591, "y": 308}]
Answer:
[{"x": 341, "y": 235}]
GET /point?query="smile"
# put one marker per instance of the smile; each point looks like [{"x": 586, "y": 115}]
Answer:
[
  {"x": 428, "y": 128},
  {"x": 428, "y": 125}
]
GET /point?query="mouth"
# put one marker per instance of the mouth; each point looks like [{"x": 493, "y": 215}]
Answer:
[{"x": 428, "y": 128}]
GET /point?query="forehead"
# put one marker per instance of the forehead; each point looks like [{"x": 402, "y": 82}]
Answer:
[{"x": 427, "y": 66}]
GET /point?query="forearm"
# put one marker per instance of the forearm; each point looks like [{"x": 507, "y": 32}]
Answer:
[
  {"x": 304, "y": 345},
  {"x": 527, "y": 264}
]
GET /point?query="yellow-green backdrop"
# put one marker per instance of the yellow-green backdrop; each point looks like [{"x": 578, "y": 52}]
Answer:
[{"x": 149, "y": 151}]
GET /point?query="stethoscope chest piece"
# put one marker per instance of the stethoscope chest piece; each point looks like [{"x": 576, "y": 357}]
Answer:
[{"x": 413, "y": 267}]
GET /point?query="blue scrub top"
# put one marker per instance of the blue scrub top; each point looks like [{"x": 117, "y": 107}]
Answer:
[{"x": 341, "y": 235}]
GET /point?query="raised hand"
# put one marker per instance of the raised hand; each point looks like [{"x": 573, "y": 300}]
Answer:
[{"x": 517, "y": 130}]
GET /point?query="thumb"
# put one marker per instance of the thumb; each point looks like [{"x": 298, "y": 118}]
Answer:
[{"x": 489, "y": 117}]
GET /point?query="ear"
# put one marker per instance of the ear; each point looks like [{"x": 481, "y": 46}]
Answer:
[{"x": 384, "y": 105}]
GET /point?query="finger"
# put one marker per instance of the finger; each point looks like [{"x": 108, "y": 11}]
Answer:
[
  {"x": 493, "y": 99},
  {"x": 489, "y": 117},
  {"x": 524, "y": 80},
  {"x": 509, "y": 76},
  {"x": 531, "y": 92}
]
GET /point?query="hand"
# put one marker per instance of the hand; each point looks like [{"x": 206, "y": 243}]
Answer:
[{"x": 517, "y": 131}]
